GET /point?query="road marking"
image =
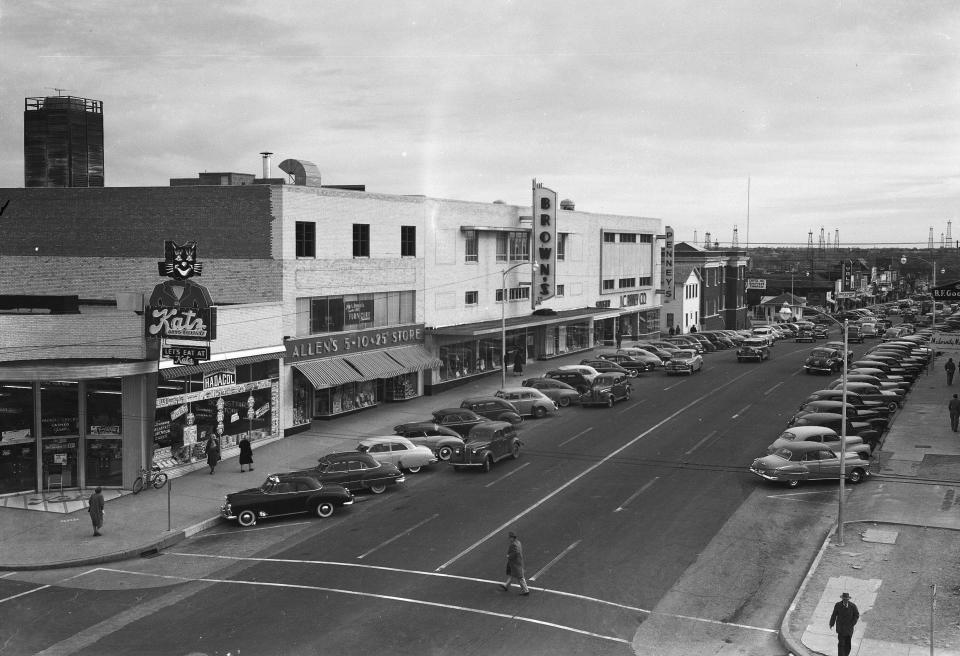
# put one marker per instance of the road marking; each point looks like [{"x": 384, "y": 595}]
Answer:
[
  {"x": 742, "y": 411},
  {"x": 583, "y": 432},
  {"x": 698, "y": 444},
  {"x": 554, "y": 561},
  {"x": 773, "y": 388},
  {"x": 670, "y": 387},
  {"x": 399, "y": 535},
  {"x": 407, "y": 600},
  {"x": 509, "y": 473},
  {"x": 3, "y": 576},
  {"x": 249, "y": 529},
  {"x": 636, "y": 494},
  {"x": 498, "y": 530},
  {"x": 42, "y": 587},
  {"x": 626, "y": 408}
]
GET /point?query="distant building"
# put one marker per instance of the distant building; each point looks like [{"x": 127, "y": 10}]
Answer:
[{"x": 63, "y": 142}]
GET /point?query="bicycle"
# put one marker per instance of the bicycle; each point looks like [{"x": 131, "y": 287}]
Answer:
[{"x": 153, "y": 477}]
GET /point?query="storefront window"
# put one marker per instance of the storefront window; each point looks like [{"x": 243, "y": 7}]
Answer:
[
  {"x": 346, "y": 398},
  {"x": 477, "y": 356},
  {"x": 104, "y": 407},
  {"x": 17, "y": 441},
  {"x": 59, "y": 427},
  {"x": 332, "y": 314}
]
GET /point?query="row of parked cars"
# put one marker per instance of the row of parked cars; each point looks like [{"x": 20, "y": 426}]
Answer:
[{"x": 874, "y": 388}]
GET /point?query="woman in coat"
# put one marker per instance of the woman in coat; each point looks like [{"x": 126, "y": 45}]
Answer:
[
  {"x": 246, "y": 454},
  {"x": 213, "y": 452},
  {"x": 518, "y": 362}
]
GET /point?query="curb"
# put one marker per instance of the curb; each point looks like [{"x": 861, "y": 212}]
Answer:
[{"x": 794, "y": 645}]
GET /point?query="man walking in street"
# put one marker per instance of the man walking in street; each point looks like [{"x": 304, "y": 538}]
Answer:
[
  {"x": 845, "y": 616},
  {"x": 954, "y": 412},
  {"x": 951, "y": 368},
  {"x": 96, "y": 510},
  {"x": 515, "y": 566}
]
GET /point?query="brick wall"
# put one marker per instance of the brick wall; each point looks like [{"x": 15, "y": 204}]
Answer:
[{"x": 46, "y": 337}]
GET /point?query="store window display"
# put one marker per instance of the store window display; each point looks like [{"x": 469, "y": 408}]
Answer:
[
  {"x": 103, "y": 454},
  {"x": 60, "y": 432},
  {"x": 17, "y": 441}
]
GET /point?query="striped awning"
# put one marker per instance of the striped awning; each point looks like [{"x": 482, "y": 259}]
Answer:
[
  {"x": 216, "y": 365},
  {"x": 376, "y": 364},
  {"x": 414, "y": 358},
  {"x": 329, "y": 372}
]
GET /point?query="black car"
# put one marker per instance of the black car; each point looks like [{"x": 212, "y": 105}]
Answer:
[
  {"x": 561, "y": 393},
  {"x": 854, "y": 334},
  {"x": 753, "y": 348},
  {"x": 606, "y": 366},
  {"x": 853, "y": 398},
  {"x": 282, "y": 495},
  {"x": 440, "y": 439},
  {"x": 486, "y": 445},
  {"x": 877, "y": 420},
  {"x": 493, "y": 408},
  {"x": 573, "y": 378},
  {"x": 355, "y": 471},
  {"x": 823, "y": 360},
  {"x": 461, "y": 420},
  {"x": 861, "y": 429}
]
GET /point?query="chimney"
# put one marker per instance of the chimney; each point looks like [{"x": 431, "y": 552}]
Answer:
[
  {"x": 266, "y": 164},
  {"x": 567, "y": 204}
]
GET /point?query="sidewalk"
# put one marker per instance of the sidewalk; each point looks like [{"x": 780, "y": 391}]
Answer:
[
  {"x": 899, "y": 540},
  {"x": 156, "y": 519}
]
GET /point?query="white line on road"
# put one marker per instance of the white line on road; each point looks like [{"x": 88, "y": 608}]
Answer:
[
  {"x": 509, "y": 473},
  {"x": 636, "y": 494},
  {"x": 588, "y": 470},
  {"x": 697, "y": 445},
  {"x": 399, "y": 535},
  {"x": 250, "y": 529},
  {"x": 554, "y": 561},
  {"x": 773, "y": 388},
  {"x": 626, "y": 408},
  {"x": 742, "y": 411},
  {"x": 42, "y": 587},
  {"x": 583, "y": 432},
  {"x": 670, "y": 387},
  {"x": 3, "y": 576}
]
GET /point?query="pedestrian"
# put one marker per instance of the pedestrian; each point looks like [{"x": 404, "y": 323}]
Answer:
[
  {"x": 619, "y": 339},
  {"x": 845, "y": 616},
  {"x": 246, "y": 454},
  {"x": 515, "y": 566},
  {"x": 96, "y": 511},
  {"x": 213, "y": 452},
  {"x": 954, "y": 407},
  {"x": 951, "y": 368},
  {"x": 518, "y": 361}
]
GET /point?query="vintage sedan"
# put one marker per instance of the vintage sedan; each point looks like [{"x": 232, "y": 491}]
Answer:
[
  {"x": 529, "y": 402},
  {"x": 754, "y": 348},
  {"x": 684, "y": 362},
  {"x": 281, "y": 495},
  {"x": 634, "y": 358},
  {"x": 809, "y": 461},
  {"x": 607, "y": 389},
  {"x": 605, "y": 366},
  {"x": 560, "y": 392},
  {"x": 821, "y": 435},
  {"x": 804, "y": 335},
  {"x": 493, "y": 408},
  {"x": 398, "y": 451},
  {"x": 821, "y": 332},
  {"x": 439, "y": 439},
  {"x": 862, "y": 429},
  {"x": 823, "y": 360},
  {"x": 486, "y": 445},
  {"x": 460, "y": 420},
  {"x": 355, "y": 471}
]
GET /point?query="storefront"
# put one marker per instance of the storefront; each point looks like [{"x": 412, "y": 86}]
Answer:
[
  {"x": 229, "y": 399},
  {"x": 341, "y": 373},
  {"x": 71, "y": 425}
]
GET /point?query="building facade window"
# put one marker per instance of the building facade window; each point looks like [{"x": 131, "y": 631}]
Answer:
[
  {"x": 628, "y": 238},
  {"x": 625, "y": 283},
  {"x": 608, "y": 284},
  {"x": 560, "y": 290},
  {"x": 646, "y": 239},
  {"x": 609, "y": 237},
  {"x": 561, "y": 246},
  {"x": 332, "y": 314},
  {"x": 644, "y": 281},
  {"x": 408, "y": 241},
  {"x": 361, "y": 240},
  {"x": 471, "y": 298},
  {"x": 514, "y": 294},
  {"x": 470, "y": 246},
  {"x": 519, "y": 245},
  {"x": 501, "y": 247},
  {"x": 306, "y": 239}
]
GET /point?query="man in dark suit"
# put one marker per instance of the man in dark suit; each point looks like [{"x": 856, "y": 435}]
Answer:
[{"x": 845, "y": 616}]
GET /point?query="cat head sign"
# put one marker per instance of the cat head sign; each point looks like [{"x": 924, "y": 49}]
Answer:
[{"x": 180, "y": 308}]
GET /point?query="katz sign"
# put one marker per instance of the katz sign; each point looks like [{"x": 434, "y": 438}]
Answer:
[
  {"x": 179, "y": 323},
  {"x": 180, "y": 308}
]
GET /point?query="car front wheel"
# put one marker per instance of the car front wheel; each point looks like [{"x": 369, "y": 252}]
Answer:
[
  {"x": 516, "y": 451},
  {"x": 378, "y": 488},
  {"x": 444, "y": 453},
  {"x": 539, "y": 412},
  {"x": 324, "y": 509},
  {"x": 563, "y": 401},
  {"x": 487, "y": 464},
  {"x": 413, "y": 470},
  {"x": 856, "y": 476},
  {"x": 610, "y": 401},
  {"x": 793, "y": 483},
  {"x": 247, "y": 518}
]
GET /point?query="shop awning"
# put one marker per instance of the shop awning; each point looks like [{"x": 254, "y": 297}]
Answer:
[
  {"x": 414, "y": 358},
  {"x": 216, "y": 365},
  {"x": 375, "y": 364},
  {"x": 530, "y": 321},
  {"x": 329, "y": 372}
]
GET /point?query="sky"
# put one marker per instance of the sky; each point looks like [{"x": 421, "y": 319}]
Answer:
[{"x": 779, "y": 119}]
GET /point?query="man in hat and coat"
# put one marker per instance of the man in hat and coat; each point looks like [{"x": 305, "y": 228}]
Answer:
[
  {"x": 95, "y": 509},
  {"x": 845, "y": 616},
  {"x": 515, "y": 566}
]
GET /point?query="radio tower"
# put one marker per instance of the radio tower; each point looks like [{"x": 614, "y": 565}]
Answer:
[
  {"x": 736, "y": 239},
  {"x": 810, "y": 241},
  {"x": 694, "y": 236},
  {"x": 836, "y": 239},
  {"x": 949, "y": 239},
  {"x": 930, "y": 239},
  {"x": 821, "y": 245}
]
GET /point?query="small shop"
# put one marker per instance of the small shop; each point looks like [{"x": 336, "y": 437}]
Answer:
[
  {"x": 230, "y": 399},
  {"x": 338, "y": 374}
]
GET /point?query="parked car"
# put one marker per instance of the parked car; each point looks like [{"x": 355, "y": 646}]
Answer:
[
  {"x": 574, "y": 379},
  {"x": 765, "y": 332},
  {"x": 529, "y": 402},
  {"x": 871, "y": 393},
  {"x": 853, "y": 398},
  {"x": 460, "y": 420},
  {"x": 823, "y": 360},
  {"x": 607, "y": 389},
  {"x": 560, "y": 392},
  {"x": 605, "y": 366},
  {"x": 439, "y": 439},
  {"x": 821, "y": 332},
  {"x": 486, "y": 445},
  {"x": 398, "y": 451},
  {"x": 804, "y": 335},
  {"x": 854, "y": 334},
  {"x": 635, "y": 359},
  {"x": 708, "y": 346},
  {"x": 821, "y": 435},
  {"x": 809, "y": 461},
  {"x": 877, "y": 419},
  {"x": 869, "y": 329},
  {"x": 355, "y": 471},
  {"x": 493, "y": 408},
  {"x": 719, "y": 339},
  {"x": 282, "y": 495},
  {"x": 686, "y": 342},
  {"x": 754, "y": 348},
  {"x": 684, "y": 362},
  {"x": 588, "y": 372},
  {"x": 861, "y": 429}
]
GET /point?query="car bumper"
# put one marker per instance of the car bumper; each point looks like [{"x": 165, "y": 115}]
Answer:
[
  {"x": 818, "y": 369},
  {"x": 768, "y": 476}
]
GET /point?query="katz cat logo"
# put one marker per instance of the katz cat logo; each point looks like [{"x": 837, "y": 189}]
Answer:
[{"x": 180, "y": 308}]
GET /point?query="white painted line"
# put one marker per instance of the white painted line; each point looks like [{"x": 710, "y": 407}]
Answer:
[
  {"x": 773, "y": 388},
  {"x": 22, "y": 594},
  {"x": 698, "y": 444},
  {"x": 399, "y": 535},
  {"x": 742, "y": 411},
  {"x": 626, "y": 408},
  {"x": 3, "y": 576},
  {"x": 599, "y": 463},
  {"x": 583, "y": 432},
  {"x": 554, "y": 561},
  {"x": 636, "y": 494},
  {"x": 407, "y": 600},
  {"x": 510, "y": 473},
  {"x": 670, "y": 387},
  {"x": 251, "y": 529}
]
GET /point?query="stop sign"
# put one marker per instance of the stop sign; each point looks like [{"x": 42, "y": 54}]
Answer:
[{"x": 785, "y": 312}]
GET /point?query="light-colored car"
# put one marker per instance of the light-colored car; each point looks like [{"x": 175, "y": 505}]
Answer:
[
  {"x": 684, "y": 362},
  {"x": 557, "y": 390},
  {"x": 528, "y": 401},
  {"x": 766, "y": 333},
  {"x": 439, "y": 439},
  {"x": 809, "y": 461},
  {"x": 821, "y": 434},
  {"x": 397, "y": 451},
  {"x": 588, "y": 372}
]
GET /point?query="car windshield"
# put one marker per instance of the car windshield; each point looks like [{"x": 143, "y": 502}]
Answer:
[
  {"x": 685, "y": 354},
  {"x": 789, "y": 436},
  {"x": 786, "y": 454},
  {"x": 605, "y": 381},
  {"x": 821, "y": 353}
]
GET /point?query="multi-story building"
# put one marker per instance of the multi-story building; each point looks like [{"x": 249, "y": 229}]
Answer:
[
  {"x": 63, "y": 142},
  {"x": 710, "y": 290},
  {"x": 328, "y": 301}
]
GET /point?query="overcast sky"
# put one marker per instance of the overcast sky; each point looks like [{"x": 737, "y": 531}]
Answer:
[{"x": 844, "y": 116}]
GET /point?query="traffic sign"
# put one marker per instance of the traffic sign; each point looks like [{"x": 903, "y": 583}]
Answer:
[{"x": 785, "y": 312}]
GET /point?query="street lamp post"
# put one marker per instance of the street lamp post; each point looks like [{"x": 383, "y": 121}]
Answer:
[
  {"x": 933, "y": 264},
  {"x": 503, "y": 318}
]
